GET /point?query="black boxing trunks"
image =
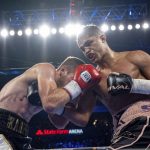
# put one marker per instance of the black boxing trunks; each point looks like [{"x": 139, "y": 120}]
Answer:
[
  {"x": 13, "y": 132},
  {"x": 133, "y": 128}
]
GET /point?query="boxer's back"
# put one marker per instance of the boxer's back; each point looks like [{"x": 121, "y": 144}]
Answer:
[{"x": 13, "y": 95}]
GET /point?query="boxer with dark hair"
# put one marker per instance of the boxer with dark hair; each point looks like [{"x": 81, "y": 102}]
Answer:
[
  {"x": 126, "y": 93},
  {"x": 40, "y": 87}
]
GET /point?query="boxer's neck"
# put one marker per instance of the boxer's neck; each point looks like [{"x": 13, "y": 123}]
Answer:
[{"x": 108, "y": 59}]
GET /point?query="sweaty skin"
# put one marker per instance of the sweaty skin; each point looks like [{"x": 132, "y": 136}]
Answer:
[
  {"x": 120, "y": 102},
  {"x": 134, "y": 63},
  {"x": 13, "y": 96}
]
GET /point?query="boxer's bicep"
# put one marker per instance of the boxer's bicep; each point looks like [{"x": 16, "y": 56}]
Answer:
[
  {"x": 144, "y": 64},
  {"x": 142, "y": 60},
  {"x": 45, "y": 87},
  {"x": 52, "y": 97},
  {"x": 45, "y": 78}
]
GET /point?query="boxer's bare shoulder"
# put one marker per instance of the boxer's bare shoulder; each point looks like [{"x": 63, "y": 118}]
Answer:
[
  {"x": 40, "y": 68},
  {"x": 138, "y": 57}
]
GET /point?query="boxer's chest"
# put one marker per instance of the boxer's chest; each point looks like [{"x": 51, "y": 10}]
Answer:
[
  {"x": 117, "y": 103},
  {"x": 120, "y": 67}
]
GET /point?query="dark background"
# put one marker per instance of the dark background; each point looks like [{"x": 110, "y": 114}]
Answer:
[{"x": 22, "y": 52}]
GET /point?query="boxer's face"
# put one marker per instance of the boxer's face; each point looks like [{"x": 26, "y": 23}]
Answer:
[
  {"x": 93, "y": 47},
  {"x": 64, "y": 76}
]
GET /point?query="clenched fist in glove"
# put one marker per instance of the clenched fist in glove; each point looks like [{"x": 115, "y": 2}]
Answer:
[
  {"x": 120, "y": 83},
  {"x": 86, "y": 76}
]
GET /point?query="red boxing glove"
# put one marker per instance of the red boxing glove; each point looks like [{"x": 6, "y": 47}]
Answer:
[{"x": 86, "y": 76}]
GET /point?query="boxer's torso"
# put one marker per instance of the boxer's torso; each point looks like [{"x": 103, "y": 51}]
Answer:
[
  {"x": 13, "y": 97},
  {"x": 117, "y": 103}
]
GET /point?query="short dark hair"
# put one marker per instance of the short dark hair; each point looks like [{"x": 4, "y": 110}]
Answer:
[
  {"x": 72, "y": 62},
  {"x": 90, "y": 30}
]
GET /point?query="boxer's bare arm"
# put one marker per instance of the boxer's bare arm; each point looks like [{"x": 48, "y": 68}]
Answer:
[
  {"x": 142, "y": 60},
  {"x": 140, "y": 84},
  {"x": 81, "y": 115},
  {"x": 59, "y": 122},
  {"x": 51, "y": 96}
]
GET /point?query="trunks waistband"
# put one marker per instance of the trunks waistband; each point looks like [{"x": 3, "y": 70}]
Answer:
[{"x": 11, "y": 123}]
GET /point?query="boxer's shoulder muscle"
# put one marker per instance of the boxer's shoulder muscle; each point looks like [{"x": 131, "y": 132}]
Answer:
[
  {"x": 141, "y": 59},
  {"x": 43, "y": 66},
  {"x": 138, "y": 57},
  {"x": 38, "y": 69}
]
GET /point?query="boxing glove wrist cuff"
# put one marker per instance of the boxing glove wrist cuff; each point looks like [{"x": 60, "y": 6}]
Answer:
[
  {"x": 73, "y": 89},
  {"x": 141, "y": 86}
]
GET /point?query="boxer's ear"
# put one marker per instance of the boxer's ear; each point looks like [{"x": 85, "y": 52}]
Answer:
[
  {"x": 71, "y": 75},
  {"x": 103, "y": 37},
  {"x": 63, "y": 70}
]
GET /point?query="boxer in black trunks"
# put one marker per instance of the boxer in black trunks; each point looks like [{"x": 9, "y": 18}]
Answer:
[{"x": 56, "y": 88}]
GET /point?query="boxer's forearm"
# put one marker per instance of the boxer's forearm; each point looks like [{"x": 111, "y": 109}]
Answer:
[
  {"x": 58, "y": 121},
  {"x": 77, "y": 118},
  {"x": 56, "y": 99}
]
